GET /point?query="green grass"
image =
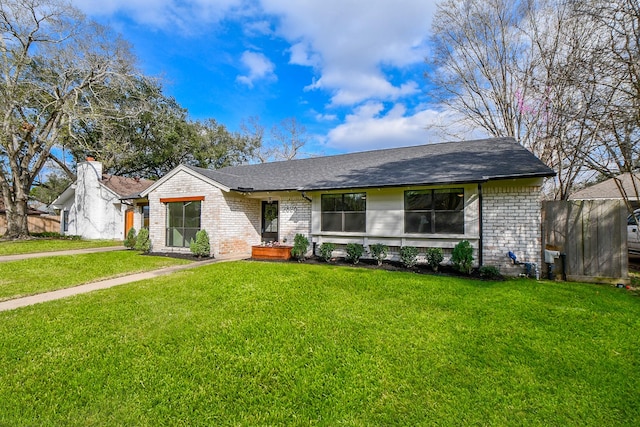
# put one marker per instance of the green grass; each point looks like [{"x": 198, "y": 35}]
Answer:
[
  {"x": 36, "y": 275},
  {"x": 250, "y": 344},
  {"x": 15, "y": 247}
]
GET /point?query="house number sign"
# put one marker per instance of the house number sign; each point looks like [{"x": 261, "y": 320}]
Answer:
[{"x": 289, "y": 208}]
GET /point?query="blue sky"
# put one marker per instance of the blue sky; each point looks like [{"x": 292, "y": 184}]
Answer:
[{"x": 350, "y": 71}]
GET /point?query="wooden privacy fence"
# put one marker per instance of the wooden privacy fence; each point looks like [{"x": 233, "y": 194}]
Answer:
[
  {"x": 592, "y": 234},
  {"x": 36, "y": 224}
]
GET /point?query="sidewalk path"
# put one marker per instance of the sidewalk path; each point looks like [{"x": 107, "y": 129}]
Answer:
[
  {"x": 103, "y": 284},
  {"x": 4, "y": 258}
]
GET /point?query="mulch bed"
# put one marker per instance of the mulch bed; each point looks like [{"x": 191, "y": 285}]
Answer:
[{"x": 444, "y": 270}]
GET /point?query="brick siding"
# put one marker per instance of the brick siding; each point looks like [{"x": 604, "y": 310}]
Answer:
[
  {"x": 511, "y": 222},
  {"x": 231, "y": 220}
]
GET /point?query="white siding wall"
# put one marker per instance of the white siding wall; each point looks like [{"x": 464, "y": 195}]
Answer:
[
  {"x": 385, "y": 222},
  {"x": 231, "y": 220},
  {"x": 511, "y": 221}
]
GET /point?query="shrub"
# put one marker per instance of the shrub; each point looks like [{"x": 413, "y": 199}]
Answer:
[
  {"x": 409, "y": 256},
  {"x": 434, "y": 257},
  {"x": 462, "y": 257},
  {"x": 379, "y": 252},
  {"x": 200, "y": 247},
  {"x": 326, "y": 250},
  {"x": 48, "y": 235},
  {"x": 130, "y": 240},
  {"x": 490, "y": 272},
  {"x": 300, "y": 246},
  {"x": 142, "y": 242},
  {"x": 354, "y": 252}
]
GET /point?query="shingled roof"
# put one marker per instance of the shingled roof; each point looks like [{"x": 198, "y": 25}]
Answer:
[
  {"x": 125, "y": 187},
  {"x": 30, "y": 210},
  {"x": 432, "y": 164},
  {"x": 609, "y": 189}
]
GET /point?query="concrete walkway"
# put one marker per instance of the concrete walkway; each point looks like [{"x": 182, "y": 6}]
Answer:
[
  {"x": 4, "y": 258},
  {"x": 103, "y": 284}
]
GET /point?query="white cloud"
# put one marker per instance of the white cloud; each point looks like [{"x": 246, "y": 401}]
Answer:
[
  {"x": 348, "y": 41},
  {"x": 370, "y": 127},
  {"x": 260, "y": 68},
  {"x": 186, "y": 17}
]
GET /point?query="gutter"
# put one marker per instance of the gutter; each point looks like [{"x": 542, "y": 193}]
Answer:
[{"x": 480, "y": 229}]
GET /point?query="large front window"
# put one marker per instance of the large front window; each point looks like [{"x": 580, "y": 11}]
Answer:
[
  {"x": 183, "y": 221},
  {"x": 344, "y": 212},
  {"x": 434, "y": 211}
]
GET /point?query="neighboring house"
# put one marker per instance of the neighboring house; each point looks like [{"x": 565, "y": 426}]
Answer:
[
  {"x": 610, "y": 189},
  {"x": 436, "y": 195},
  {"x": 38, "y": 221},
  {"x": 97, "y": 206}
]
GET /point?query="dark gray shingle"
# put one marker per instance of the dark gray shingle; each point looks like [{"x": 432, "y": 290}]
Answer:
[{"x": 432, "y": 164}]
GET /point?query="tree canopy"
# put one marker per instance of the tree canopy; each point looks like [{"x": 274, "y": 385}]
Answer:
[
  {"x": 71, "y": 87},
  {"x": 560, "y": 76}
]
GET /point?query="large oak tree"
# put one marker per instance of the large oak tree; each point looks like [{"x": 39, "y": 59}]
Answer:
[{"x": 59, "y": 73}]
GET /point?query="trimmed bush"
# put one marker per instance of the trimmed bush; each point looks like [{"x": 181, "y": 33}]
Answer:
[
  {"x": 434, "y": 257},
  {"x": 201, "y": 247},
  {"x": 409, "y": 256},
  {"x": 142, "y": 242},
  {"x": 300, "y": 247},
  {"x": 326, "y": 250},
  {"x": 490, "y": 272},
  {"x": 354, "y": 252},
  {"x": 130, "y": 240},
  {"x": 379, "y": 252},
  {"x": 462, "y": 257}
]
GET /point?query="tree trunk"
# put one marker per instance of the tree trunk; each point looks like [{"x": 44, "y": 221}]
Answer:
[{"x": 16, "y": 215}]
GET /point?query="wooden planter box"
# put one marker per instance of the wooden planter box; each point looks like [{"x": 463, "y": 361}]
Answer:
[{"x": 271, "y": 252}]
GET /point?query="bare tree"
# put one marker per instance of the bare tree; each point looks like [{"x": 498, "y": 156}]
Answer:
[
  {"x": 58, "y": 70},
  {"x": 617, "y": 118},
  {"x": 289, "y": 138},
  {"x": 286, "y": 143},
  {"x": 525, "y": 69}
]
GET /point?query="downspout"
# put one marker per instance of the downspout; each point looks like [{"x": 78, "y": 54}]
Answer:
[{"x": 480, "y": 242}]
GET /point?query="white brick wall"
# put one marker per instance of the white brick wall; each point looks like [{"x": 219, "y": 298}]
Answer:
[
  {"x": 295, "y": 217},
  {"x": 511, "y": 222},
  {"x": 231, "y": 220}
]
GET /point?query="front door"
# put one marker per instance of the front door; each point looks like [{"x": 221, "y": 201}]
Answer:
[
  {"x": 269, "y": 221},
  {"x": 128, "y": 221}
]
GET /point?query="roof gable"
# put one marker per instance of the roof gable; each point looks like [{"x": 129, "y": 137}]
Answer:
[
  {"x": 431, "y": 164},
  {"x": 124, "y": 186},
  {"x": 187, "y": 169}
]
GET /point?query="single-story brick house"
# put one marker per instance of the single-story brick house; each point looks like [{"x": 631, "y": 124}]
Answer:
[
  {"x": 484, "y": 191},
  {"x": 97, "y": 205}
]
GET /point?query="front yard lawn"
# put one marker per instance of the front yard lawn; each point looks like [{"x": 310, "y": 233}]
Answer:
[
  {"x": 250, "y": 343},
  {"x": 36, "y": 275},
  {"x": 15, "y": 247}
]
